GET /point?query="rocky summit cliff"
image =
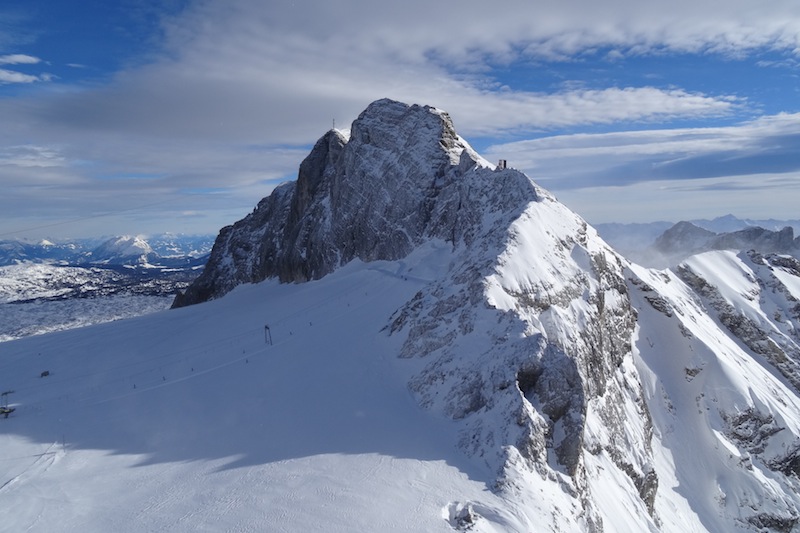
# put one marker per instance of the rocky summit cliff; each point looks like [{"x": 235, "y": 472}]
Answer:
[
  {"x": 376, "y": 194},
  {"x": 594, "y": 394}
]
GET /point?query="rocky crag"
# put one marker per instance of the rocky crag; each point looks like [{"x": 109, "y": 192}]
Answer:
[{"x": 375, "y": 194}]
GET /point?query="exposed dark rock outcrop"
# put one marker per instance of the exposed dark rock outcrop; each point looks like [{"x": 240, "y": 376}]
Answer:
[{"x": 683, "y": 236}]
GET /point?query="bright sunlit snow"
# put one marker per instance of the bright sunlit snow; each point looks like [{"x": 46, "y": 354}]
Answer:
[{"x": 193, "y": 422}]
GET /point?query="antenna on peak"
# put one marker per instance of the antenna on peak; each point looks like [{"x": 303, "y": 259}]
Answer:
[{"x": 334, "y": 123}]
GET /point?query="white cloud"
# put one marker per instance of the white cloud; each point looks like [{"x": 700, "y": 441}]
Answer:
[
  {"x": 233, "y": 74},
  {"x": 149, "y": 183},
  {"x": 18, "y": 59},
  {"x": 750, "y": 169},
  {"x": 237, "y": 73},
  {"x": 490, "y": 113},
  {"x": 620, "y": 158},
  {"x": 646, "y": 201},
  {"x": 279, "y": 72},
  {"x": 414, "y": 31},
  {"x": 9, "y": 76},
  {"x": 31, "y": 156}
]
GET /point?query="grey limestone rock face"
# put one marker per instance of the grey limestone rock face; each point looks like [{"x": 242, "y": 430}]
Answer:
[
  {"x": 373, "y": 196},
  {"x": 241, "y": 250}
]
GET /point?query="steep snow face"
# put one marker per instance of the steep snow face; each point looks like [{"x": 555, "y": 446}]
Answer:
[
  {"x": 527, "y": 344},
  {"x": 754, "y": 297},
  {"x": 717, "y": 353}
]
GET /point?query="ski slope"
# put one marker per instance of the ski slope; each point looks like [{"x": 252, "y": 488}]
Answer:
[{"x": 189, "y": 421}]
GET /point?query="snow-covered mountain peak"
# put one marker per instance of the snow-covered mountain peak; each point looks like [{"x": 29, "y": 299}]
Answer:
[
  {"x": 533, "y": 338},
  {"x": 562, "y": 387},
  {"x": 399, "y": 179},
  {"x": 123, "y": 247},
  {"x": 525, "y": 337}
]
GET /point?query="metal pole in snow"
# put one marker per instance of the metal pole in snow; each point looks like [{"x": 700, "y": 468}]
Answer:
[
  {"x": 5, "y": 397},
  {"x": 267, "y": 335}
]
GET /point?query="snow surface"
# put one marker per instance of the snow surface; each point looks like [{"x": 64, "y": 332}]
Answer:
[
  {"x": 38, "y": 298},
  {"x": 735, "y": 280},
  {"x": 192, "y": 422},
  {"x": 695, "y": 376},
  {"x": 22, "y": 319}
]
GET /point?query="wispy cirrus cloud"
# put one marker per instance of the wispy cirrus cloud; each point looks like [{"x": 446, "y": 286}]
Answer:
[
  {"x": 19, "y": 59},
  {"x": 13, "y": 76},
  {"x": 751, "y": 169},
  {"x": 765, "y": 145},
  {"x": 10, "y": 76}
]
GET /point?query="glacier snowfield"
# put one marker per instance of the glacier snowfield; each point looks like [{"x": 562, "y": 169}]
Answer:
[{"x": 188, "y": 420}]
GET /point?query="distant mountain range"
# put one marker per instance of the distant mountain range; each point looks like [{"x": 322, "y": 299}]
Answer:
[
  {"x": 664, "y": 243},
  {"x": 166, "y": 251},
  {"x": 47, "y": 286}
]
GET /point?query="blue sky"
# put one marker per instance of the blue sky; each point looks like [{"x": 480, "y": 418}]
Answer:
[{"x": 143, "y": 116}]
